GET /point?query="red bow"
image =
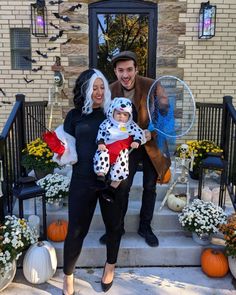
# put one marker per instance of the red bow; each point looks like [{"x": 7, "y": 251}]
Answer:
[{"x": 54, "y": 143}]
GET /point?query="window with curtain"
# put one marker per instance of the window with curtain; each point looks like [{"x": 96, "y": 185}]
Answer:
[{"x": 20, "y": 48}]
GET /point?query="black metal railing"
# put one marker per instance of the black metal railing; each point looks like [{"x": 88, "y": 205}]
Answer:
[
  {"x": 209, "y": 121},
  {"x": 25, "y": 123},
  {"x": 217, "y": 122}
]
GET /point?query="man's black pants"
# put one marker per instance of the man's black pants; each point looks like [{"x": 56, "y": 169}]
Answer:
[{"x": 149, "y": 186}]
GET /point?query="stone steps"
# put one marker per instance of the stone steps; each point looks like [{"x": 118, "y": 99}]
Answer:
[
  {"x": 175, "y": 249},
  {"x": 164, "y": 220},
  {"x": 176, "y": 246}
]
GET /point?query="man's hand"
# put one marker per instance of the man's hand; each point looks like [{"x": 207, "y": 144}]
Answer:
[
  {"x": 102, "y": 147},
  {"x": 134, "y": 145},
  {"x": 147, "y": 134}
]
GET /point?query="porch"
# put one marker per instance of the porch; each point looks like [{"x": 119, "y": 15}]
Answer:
[
  {"x": 135, "y": 281},
  {"x": 215, "y": 122}
]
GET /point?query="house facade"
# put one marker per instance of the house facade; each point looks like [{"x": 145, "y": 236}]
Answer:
[{"x": 72, "y": 45}]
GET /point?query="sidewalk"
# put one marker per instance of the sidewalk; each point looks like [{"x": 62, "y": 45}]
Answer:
[{"x": 132, "y": 281}]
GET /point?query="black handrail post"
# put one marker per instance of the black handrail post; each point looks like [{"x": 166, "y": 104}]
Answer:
[
  {"x": 225, "y": 128},
  {"x": 22, "y": 129},
  {"x": 2, "y": 209}
]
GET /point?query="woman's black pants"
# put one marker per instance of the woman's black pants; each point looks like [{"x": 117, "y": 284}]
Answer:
[{"x": 82, "y": 203}]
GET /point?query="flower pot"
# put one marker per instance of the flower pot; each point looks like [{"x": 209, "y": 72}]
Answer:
[
  {"x": 8, "y": 277},
  {"x": 55, "y": 206},
  {"x": 42, "y": 173},
  {"x": 202, "y": 240},
  {"x": 232, "y": 265},
  {"x": 195, "y": 173}
]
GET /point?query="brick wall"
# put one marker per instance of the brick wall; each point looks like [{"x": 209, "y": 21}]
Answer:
[
  {"x": 210, "y": 65},
  {"x": 207, "y": 66}
]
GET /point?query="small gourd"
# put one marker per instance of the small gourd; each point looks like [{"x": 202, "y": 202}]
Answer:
[
  {"x": 166, "y": 178},
  {"x": 176, "y": 202},
  {"x": 214, "y": 263},
  {"x": 57, "y": 230},
  {"x": 40, "y": 263}
]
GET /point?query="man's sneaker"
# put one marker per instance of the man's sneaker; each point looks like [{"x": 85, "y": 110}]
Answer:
[
  {"x": 103, "y": 238},
  {"x": 149, "y": 236}
]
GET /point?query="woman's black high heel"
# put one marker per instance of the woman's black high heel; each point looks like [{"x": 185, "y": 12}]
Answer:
[{"x": 105, "y": 287}]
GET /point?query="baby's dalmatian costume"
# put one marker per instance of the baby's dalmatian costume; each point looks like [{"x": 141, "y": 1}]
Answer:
[{"x": 117, "y": 137}]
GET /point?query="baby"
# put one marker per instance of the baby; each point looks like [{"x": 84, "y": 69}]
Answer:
[{"x": 116, "y": 135}]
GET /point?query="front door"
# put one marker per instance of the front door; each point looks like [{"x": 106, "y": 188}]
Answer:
[{"x": 115, "y": 26}]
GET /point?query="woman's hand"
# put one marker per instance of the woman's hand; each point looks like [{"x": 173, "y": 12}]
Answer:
[
  {"x": 134, "y": 145},
  {"x": 147, "y": 134},
  {"x": 102, "y": 147}
]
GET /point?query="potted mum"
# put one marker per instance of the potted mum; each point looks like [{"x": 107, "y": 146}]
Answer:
[
  {"x": 200, "y": 150},
  {"x": 202, "y": 219},
  {"x": 228, "y": 229},
  {"x": 37, "y": 156},
  {"x": 57, "y": 188},
  {"x": 15, "y": 236}
]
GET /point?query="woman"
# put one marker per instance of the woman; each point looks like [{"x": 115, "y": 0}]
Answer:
[{"x": 91, "y": 99}]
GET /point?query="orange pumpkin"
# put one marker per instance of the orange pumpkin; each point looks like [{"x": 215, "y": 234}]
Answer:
[
  {"x": 57, "y": 230},
  {"x": 214, "y": 263},
  {"x": 166, "y": 178}
]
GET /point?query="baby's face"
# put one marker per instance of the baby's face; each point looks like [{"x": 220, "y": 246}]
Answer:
[{"x": 122, "y": 117}]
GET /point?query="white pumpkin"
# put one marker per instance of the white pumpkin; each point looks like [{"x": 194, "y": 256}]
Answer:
[
  {"x": 176, "y": 202},
  {"x": 40, "y": 263}
]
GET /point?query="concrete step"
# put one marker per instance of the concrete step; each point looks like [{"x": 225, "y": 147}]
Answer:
[
  {"x": 161, "y": 189},
  {"x": 174, "y": 250},
  {"x": 164, "y": 220},
  {"x": 176, "y": 246}
]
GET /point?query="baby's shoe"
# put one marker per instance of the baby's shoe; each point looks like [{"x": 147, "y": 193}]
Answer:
[{"x": 101, "y": 182}]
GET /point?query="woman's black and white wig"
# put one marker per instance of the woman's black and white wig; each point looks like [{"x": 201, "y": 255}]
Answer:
[{"x": 84, "y": 88}]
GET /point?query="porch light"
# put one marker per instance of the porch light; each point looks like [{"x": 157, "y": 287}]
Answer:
[
  {"x": 39, "y": 26},
  {"x": 207, "y": 21}
]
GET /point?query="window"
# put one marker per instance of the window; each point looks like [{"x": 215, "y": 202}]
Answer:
[
  {"x": 20, "y": 48},
  {"x": 123, "y": 25}
]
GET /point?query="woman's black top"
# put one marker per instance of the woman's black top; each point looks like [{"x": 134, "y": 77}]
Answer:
[{"x": 84, "y": 128}]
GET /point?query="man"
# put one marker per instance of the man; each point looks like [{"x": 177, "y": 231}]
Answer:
[{"x": 130, "y": 85}]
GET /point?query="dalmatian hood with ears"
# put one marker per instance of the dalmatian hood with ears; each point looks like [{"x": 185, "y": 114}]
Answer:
[
  {"x": 111, "y": 131},
  {"x": 123, "y": 105}
]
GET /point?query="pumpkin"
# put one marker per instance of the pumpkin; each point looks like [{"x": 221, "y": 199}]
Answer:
[
  {"x": 214, "y": 263},
  {"x": 40, "y": 263},
  {"x": 176, "y": 202},
  {"x": 57, "y": 230},
  {"x": 166, "y": 178}
]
